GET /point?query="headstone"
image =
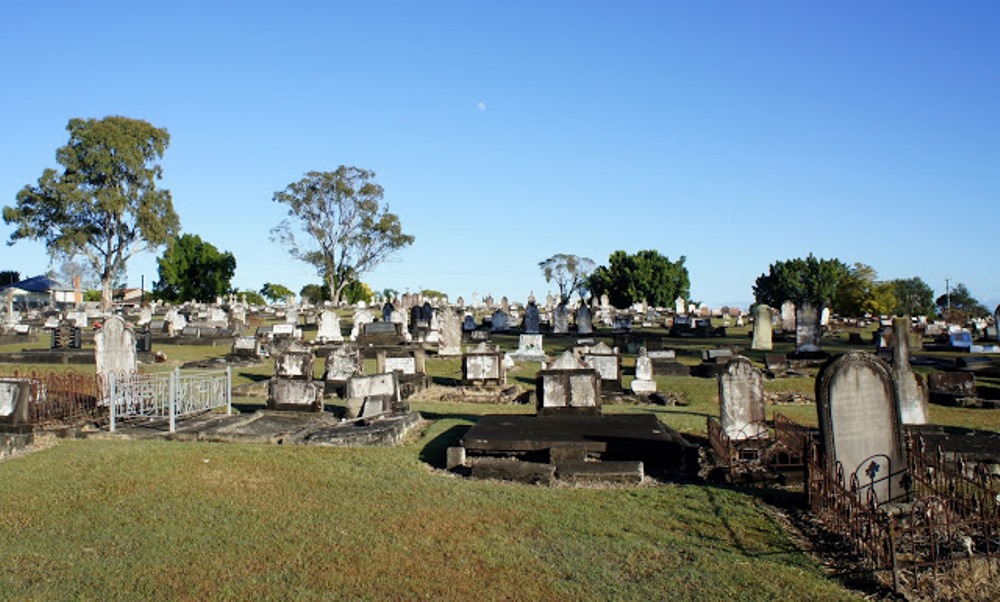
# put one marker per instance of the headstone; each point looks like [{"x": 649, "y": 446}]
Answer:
[
  {"x": 246, "y": 347},
  {"x": 15, "y": 398},
  {"x": 860, "y": 426},
  {"x": 293, "y": 387},
  {"x": 295, "y": 362},
  {"x": 762, "y": 328},
  {"x": 341, "y": 364},
  {"x": 584, "y": 320},
  {"x": 450, "y": 337},
  {"x": 788, "y": 316},
  {"x": 679, "y": 306},
  {"x": 387, "y": 311},
  {"x": 483, "y": 366},
  {"x": 807, "y": 329},
  {"x": 568, "y": 386},
  {"x": 328, "y": 327},
  {"x": 607, "y": 362},
  {"x": 115, "y": 347},
  {"x": 913, "y": 395},
  {"x": 532, "y": 319},
  {"x": 560, "y": 320},
  {"x": 741, "y": 401},
  {"x": 529, "y": 348},
  {"x": 501, "y": 322},
  {"x": 643, "y": 383},
  {"x": 361, "y": 317},
  {"x": 621, "y": 324}
]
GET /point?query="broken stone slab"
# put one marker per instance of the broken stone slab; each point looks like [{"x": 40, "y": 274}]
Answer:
[{"x": 508, "y": 469}]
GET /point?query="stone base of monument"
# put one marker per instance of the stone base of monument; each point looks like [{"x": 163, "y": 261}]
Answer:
[
  {"x": 609, "y": 448},
  {"x": 295, "y": 394},
  {"x": 49, "y": 356},
  {"x": 411, "y": 384},
  {"x": 14, "y": 440},
  {"x": 276, "y": 427}
]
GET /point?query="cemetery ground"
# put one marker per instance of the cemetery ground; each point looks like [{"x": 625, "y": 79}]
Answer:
[{"x": 117, "y": 518}]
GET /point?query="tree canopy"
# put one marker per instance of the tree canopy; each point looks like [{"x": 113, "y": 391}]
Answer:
[
  {"x": 9, "y": 277},
  {"x": 644, "y": 276},
  {"x": 194, "y": 270},
  {"x": 104, "y": 205},
  {"x": 336, "y": 222},
  {"x": 914, "y": 297},
  {"x": 800, "y": 280},
  {"x": 570, "y": 273},
  {"x": 275, "y": 292}
]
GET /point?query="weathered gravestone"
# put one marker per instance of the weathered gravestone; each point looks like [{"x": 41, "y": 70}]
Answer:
[
  {"x": 292, "y": 387},
  {"x": 584, "y": 320},
  {"x": 468, "y": 323},
  {"x": 368, "y": 396},
  {"x": 608, "y": 364},
  {"x": 483, "y": 366},
  {"x": 643, "y": 383},
  {"x": 529, "y": 348},
  {"x": 741, "y": 400},
  {"x": 246, "y": 347},
  {"x": 532, "y": 319},
  {"x": 361, "y": 317},
  {"x": 762, "y": 328},
  {"x": 913, "y": 395},
  {"x": 807, "y": 329},
  {"x": 115, "y": 348},
  {"x": 15, "y": 397},
  {"x": 328, "y": 327},
  {"x": 450, "y": 339},
  {"x": 560, "y": 320},
  {"x": 788, "y": 316},
  {"x": 341, "y": 364},
  {"x": 680, "y": 306},
  {"x": 952, "y": 388},
  {"x": 500, "y": 322},
  {"x": 860, "y": 428},
  {"x": 568, "y": 386}
]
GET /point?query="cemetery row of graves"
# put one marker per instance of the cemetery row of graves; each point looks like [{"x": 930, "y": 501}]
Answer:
[{"x": 910, "y": 497}]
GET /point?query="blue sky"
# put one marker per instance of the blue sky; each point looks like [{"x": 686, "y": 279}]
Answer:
[{"x": 735, "y": 134}]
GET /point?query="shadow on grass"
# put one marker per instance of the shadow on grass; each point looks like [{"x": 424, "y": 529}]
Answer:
[
  {"x": 255, "y": 377},
  {"x": 433, "y": 453}
]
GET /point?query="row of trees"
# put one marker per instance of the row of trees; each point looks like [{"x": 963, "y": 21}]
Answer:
[
  {"x": 855, "y": 290},
  {"x": 626, "y": 279},
  {"x": 104, "y": 206}
]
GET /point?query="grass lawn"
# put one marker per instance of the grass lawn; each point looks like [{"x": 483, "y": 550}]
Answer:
[{"x": 116, "y": 519}]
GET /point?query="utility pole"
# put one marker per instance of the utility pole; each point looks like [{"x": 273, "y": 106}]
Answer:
[{"x": 947, "y": 296}]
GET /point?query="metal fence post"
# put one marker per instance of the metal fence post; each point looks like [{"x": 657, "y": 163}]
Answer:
[
  {"x": 173, "y": 399},
  {"x": 111, "y": 398},
  {"x": 229, "y": 390}
]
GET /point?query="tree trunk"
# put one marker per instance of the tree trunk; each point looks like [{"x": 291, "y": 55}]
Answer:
[{"x": 107, "y": 292}]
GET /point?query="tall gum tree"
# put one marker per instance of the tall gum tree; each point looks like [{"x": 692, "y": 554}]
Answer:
[
  {"x": 104, "y": 205},
  {"x": 337, "y": 222}
]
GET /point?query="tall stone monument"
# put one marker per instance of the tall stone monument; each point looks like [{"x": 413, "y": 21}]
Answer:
[{"x": 914, "y": 396}]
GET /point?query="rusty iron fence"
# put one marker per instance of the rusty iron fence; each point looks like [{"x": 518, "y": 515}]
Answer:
[
  {"x": 949, "y": 513},
  {"x": 785, "y": 449},
  {"x": 60, "y": 397}
]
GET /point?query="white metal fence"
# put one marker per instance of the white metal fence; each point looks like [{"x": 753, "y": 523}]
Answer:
[{"x": 167, "y": 396}]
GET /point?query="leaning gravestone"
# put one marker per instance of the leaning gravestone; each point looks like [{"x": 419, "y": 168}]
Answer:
[
  {"x": 860, "y": 426},
  {"x": 807, "y": 329},
  {"x": 115, "y": 348},
  {"x": 762, "y": 328},
  {"x": 361, "y": 317},
  {"x": 914, "y": 397},
  {"x": 741, "y": 400}
]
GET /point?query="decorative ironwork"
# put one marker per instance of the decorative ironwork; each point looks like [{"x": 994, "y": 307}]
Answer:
[{"x": 60, "y": 397}]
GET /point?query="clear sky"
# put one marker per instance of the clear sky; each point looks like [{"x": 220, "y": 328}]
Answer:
[{"x": 733, "y": 133}]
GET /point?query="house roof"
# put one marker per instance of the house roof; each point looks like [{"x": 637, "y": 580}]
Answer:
[{"x": 39, "y": 284}]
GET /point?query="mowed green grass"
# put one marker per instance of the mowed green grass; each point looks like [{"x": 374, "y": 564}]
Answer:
[{"x": 92, "y": 519}]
